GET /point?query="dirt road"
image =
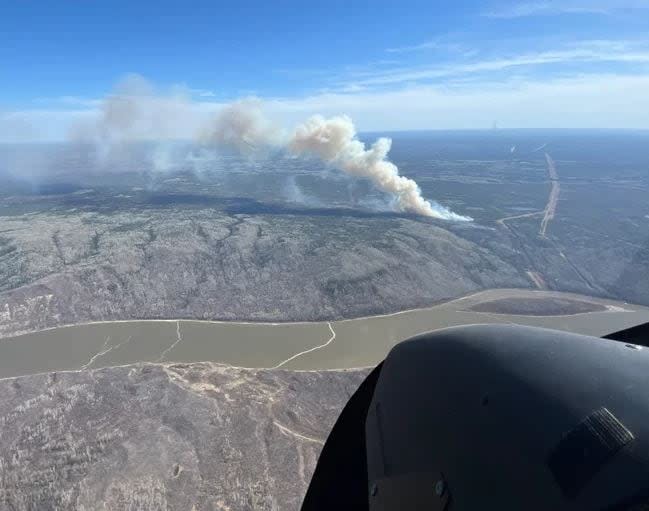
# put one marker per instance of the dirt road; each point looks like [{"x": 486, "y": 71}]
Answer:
[{"x": 553, "y": 199}]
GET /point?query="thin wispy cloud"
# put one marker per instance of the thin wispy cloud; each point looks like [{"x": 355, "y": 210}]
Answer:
[
  {"x": 428, "y": 45},
  {"x": 597, "y": 51},
  {"x": 69, "y": 101},
  {"x": 583, "y": 101},
  {"x": 543, "y": 8},
  {"x": 81, "y": 102},
  {"x": 569, "y": 83},
  {"x": 557, "y": 87},
  {"x": 182, "y": 89}
]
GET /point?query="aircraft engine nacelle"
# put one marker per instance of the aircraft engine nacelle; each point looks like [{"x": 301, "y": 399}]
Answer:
[{"x": 493, "y": 417}]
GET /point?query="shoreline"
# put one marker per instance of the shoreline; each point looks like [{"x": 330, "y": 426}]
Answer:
[
  {"x": 591, "y": 299},
  {"x": 359, "y": 344}
]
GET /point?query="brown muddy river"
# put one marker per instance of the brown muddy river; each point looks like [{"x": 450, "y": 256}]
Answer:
[{"x": 304, "y": 346}]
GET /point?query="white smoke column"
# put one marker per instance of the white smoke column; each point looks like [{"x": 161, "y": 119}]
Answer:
[{"x": 334, "y": 141}]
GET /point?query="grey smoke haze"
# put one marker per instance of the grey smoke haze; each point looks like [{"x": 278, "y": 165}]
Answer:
[
  {"x": 242, "y": 126},
  {"x": 334, "y": 140},
  {"x": 136, "y": 112},
  {"x": 294, "y": 193}
]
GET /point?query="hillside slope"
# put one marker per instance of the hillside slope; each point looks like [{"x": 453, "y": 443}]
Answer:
[{"x": 61, "y": 269}]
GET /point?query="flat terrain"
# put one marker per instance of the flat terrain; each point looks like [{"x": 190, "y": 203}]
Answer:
[
  {"x": 350, "y": 343},
  {"x": 533, "y": 306}
]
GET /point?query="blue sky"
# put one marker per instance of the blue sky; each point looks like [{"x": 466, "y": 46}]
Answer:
[{"x": 390, "y": 65}]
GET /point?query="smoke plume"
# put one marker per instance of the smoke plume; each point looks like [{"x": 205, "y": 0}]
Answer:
[
  {"x": 334, "y": 140},
  {"x": 136, "y": 112},
  {"x": 242, "y": 126}
]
